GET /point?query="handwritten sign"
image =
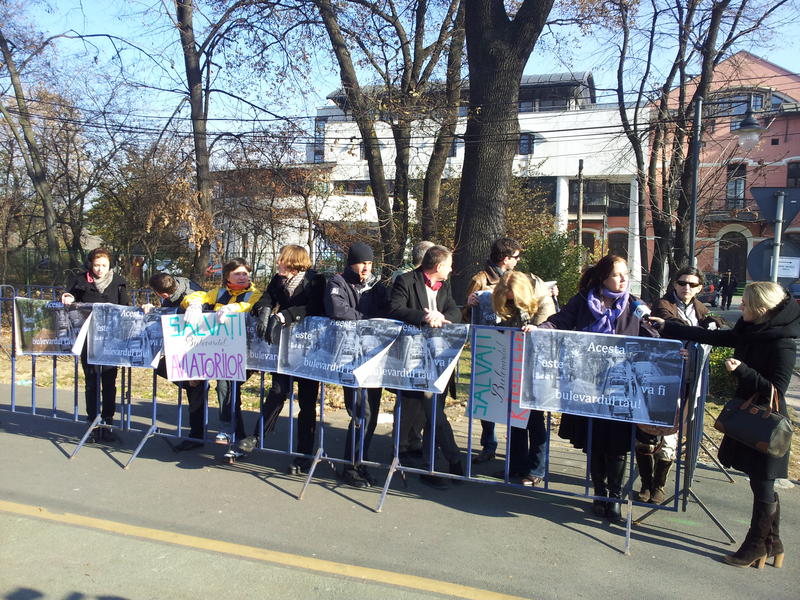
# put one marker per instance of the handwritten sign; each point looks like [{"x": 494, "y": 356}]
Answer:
[{"x": 211, "y": 349}]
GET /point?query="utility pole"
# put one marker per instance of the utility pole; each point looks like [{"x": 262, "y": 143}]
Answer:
[
  {"x": 580, "y": 203},
  {"x": 776, "y": 247}
]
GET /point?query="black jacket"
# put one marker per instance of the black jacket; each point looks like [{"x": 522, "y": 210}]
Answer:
[
  {"x": 767, "y": 351},
  {"x": 347, "y": 299},
  {"x": 409, "y": 300},
  {"x": 185, "y": 286},
  {"x": 306, "y": 300},
  {"x": 84, "y": 291}
]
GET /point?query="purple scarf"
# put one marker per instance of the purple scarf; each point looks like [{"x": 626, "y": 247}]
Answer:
[{"x": 606, "y": 318}]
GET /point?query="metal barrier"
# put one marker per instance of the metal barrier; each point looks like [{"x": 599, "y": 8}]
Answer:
[{"x": 156, "y": 427}]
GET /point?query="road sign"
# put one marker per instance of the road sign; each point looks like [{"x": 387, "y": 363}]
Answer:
[
  {"x": 765, "y": 197},
  {"x": 759, "y": 261}
]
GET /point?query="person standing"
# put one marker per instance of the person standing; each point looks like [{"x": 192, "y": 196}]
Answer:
[
  {"x": 294, "y": 292},
  {"x": 423, "y": 298},
  {"x": 521, "y": 300},
  {"x": 354, "y": 294},
  {"x": 656, "y": 453},
  {"x": 236, "y": 294},
  {"x": 603, "y": 304},
  {"x": 764, "y": 353},
  {"x": 727, "y": 288},
  {"x": 503, "y": 256},
  {"x": 99, "y": 283}
]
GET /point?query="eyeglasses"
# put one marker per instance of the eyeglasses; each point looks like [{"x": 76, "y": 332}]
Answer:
[
  {"x": 689, "y": 283},
  {"x": 515, "y": 256}
]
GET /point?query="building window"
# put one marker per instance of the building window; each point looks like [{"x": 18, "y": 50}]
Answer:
[
  {"x": 362, "y": 151},
  {"x": 463, "y": 109},
  {"x": 618, "y": 244},
  {"x": 736, "y": 106},
  {"x": 453, "y": 152},
  {"x": 793, "y": 175},
  {"x": 619, "y": 199},
  {"x": 734, "y": 193},
  {"x": 526, "y": 106},
  {"x": 595, "y": 195},
  {"x": 525, "y": 144}
]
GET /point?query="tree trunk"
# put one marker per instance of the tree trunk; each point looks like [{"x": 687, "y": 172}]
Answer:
[
  {"x": 34, "y": 164},
  {"x": 401, "y": 131},
  {"x": 497, "y": 50},
  {"x": 198, "y": 101}
]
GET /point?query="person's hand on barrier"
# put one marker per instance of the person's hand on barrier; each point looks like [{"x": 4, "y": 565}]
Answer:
[
  {"x": 146, "y": 308},
  {"x": 262, "y": 325},
  {"x": 732, "y": 364},
  {"x": 434, "y": 318},
  {"x": 527, "y": 328},
  {"x": 226, "y": 310},
  {"x": 67, "y": 298},
  {"x": 473, "y": 299},
  {"x": 684, "y": 353},
  {"x": 194, "y": 314}
]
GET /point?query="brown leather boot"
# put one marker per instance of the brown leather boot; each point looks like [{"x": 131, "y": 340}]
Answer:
[
  {"x": 660, "y": 472},
  {"x": 773, "y": 542},
  {"x": 645, "y": 464},
  {"x": 753, "y": 550}
]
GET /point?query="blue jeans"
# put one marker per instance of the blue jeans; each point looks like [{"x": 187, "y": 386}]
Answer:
[
  {"x": 488, "y": 437},
  {"x": 528, "y": 447}
]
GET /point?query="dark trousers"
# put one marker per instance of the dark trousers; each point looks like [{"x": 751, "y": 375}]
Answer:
[
  {"x": 488, "y": 437},
  {"x": 726, "y": 301},
  {"x": 528, "y": 446},
  {"x": 196, "y": 396},
  {"x": 108, "y": 389},
  {"x": 444, "y": 433},
  {"x": 412, "y": 422},
  {"x": 225, "y": 397},
  {"x": 307, "y": 393},
  {"x": 367, "y": 409}
]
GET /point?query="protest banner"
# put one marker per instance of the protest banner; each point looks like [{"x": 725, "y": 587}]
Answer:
[
  {"x": 623, "y": 378},
  {"x": 261, "y": 356},
  {"x": 331, "y": 351},
  {"x": 497, "y": 368},
  {"x": 420, "y": 359},
  {"x": 123, "y": 336},
  {"x": 211, "y": 349},
  {"x": 46, "y": 327}
]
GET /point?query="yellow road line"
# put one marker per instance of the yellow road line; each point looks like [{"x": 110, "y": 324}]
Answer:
[{"x": 253, "y": 553}]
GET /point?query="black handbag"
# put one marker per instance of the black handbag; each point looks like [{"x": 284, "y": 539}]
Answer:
[{"x": 762, "y": 428}]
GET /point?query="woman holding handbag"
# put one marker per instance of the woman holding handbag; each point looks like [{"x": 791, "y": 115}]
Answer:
[{"x": 764, "y": 355}]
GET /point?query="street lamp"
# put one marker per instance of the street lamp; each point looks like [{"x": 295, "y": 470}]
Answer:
[{"x": 749, "y": 132}]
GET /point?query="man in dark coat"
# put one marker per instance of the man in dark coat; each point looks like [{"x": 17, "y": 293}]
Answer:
[
  {"x": 354, "y": 294},
  {"x": 423, "y": 298},
  {"x": 172, "y": 291},
  {"x": 727, "y": 288}
]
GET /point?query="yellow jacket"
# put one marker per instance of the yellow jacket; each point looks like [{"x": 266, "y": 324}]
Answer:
[{"x": 219, "y": 297}]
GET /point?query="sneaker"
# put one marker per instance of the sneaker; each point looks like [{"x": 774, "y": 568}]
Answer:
[
  {"x": 188, "y": 445},
  {"x": 353, "y": 478},
  {"x": 248, "y": 444},
  {"x": 107, "y": 435},
  {"x": 222, "y": 438},
  {"x": 231, "y": 455},
  {"x": 299, "y": 466}
]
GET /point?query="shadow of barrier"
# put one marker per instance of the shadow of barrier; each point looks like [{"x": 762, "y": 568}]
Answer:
[{"x": 167, "y": 422}]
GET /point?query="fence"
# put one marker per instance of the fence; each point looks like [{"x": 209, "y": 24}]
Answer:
[{"x": 155, "y": 417}]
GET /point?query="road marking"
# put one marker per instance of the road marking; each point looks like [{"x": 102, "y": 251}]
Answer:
[{"x": 328, "y": 567}]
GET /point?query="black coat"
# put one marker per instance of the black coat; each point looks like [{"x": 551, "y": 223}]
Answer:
[
  {"x": 609, "y": 437},
  {"x": 409, "y": 300},
  {"x": 347, "y": 299},
  {"x": 185, "y": 287},
  {"x": 84, "y": 291},
  {"x": 306, "y": 300},
  {"x": 767, "y": 352}
]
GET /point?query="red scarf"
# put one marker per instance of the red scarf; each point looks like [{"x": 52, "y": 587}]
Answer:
[{"x": 434, "y": 286}]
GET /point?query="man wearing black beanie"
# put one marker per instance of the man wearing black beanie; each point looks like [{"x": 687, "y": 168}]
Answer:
[{"x": 357, "y": 294}]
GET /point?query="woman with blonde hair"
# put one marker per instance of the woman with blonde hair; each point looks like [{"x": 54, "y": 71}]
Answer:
[
  {"x": 764, "y": 355},
  {"x": 520, "y": 300}
]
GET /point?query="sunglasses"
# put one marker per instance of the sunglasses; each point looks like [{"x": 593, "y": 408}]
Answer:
[{"x": 689, "y": 283}]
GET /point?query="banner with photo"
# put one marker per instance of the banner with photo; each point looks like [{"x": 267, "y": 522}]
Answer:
[
  {"x": 210, "y": 349},
  {"x": 623, "y": 378},
  {"x": 261, "y": 356},
  {"x": 497, "y": 371},
  {"x": 419, "y": 360},
  {"x": 123, "y": 336},
  {"x": 47, "y": 327},
  {"x": 332, "y": 351}
]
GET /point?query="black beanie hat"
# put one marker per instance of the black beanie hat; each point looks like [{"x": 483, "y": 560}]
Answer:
[{"x": 359, "y": 252}]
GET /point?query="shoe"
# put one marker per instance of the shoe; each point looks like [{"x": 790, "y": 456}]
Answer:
[
  {"x": 773, "y": 542},
  {"x": 231, "y": 455},
  {"x": 299, "y": 466},
  {"x": 362, "y": 470},
  {"x": 484, "y": 456},
  {"x": 350, "y": 476},
  {"x": 599, "y": 508},
  {"x": 108, "y": 435},
  {"x": 94, "y": 437},
  {"x": 433, "y": 481},
  {"x": 456, "y": 468},
  {"x": 410, "y": 459},
  {"x": 753, "y": 550},
  {"x": 613, "y": 511},
  {"x": 531, "y": 481},
  {"x": 645, "y": 463},
  {"x": 512, "y": 475},
  {"x": 657, "y": 493},
  {"x": 248, "y": 444},
  {"x": 188, "y": 445}
]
